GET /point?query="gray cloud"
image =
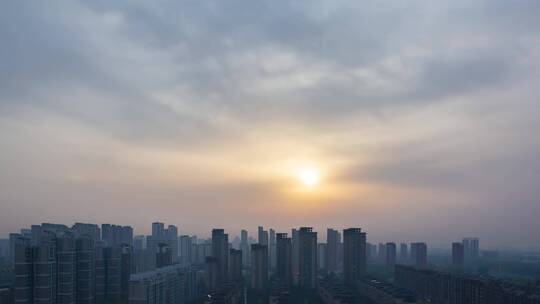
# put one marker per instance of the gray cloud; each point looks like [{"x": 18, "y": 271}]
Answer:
[{"x": 437, "y": 96}]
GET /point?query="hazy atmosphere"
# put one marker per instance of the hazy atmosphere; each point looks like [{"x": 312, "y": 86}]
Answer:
[{"x": 415, "y": 120}]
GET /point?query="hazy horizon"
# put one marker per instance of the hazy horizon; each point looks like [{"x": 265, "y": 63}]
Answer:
[{"x": 414, "y": 121}]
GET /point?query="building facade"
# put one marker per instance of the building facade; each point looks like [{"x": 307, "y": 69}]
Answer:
[{"x": 354, "y": 255}]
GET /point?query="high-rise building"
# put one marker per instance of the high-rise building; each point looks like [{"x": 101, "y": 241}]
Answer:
[
  {"x": 99, "y": 271},
  {"x": 160, "y": 235},
  {"x": 339, "y": 250},
  {"x": 369, "y": 251},
  {"x": 126, "y": 236},
  {"x": 220, "y": 251},
  {"x": 354, "y": 255},
  {"x": 212, "y": 272},
  {"x": 116, "y": 265},
  {"x": 403, "y": 252},
  {"x": 127, "y": 267},
  {"x": 138, "y": 242},
  {"x": 295, "y": 253},
  {"x": 235, "y": 258},
  {"x": 163, "y": 255},
  {"x": 332, "y": 243},
  {"x": 259, "y": 267},
  {"x": 471, "y": 249},
  {"x": 243, "y": 236},
  {"x": 139, "y": 257},
  {"x": 109, "y": 234},
  {"x": 321, "y": 255},
  {"x": 382, "y": 253},
  {"x": 66, "y": 269},
  {"x": 63, "y": 266},
  {"x": 23, "y": 268},
  {"x": 458, "y": 256},
  {"x": 284, "y": 259},
  {"x": 307, "y": 258},
  {"x": 244, "y": 246},
  {"x": 263, "y": 236},
  {"x": 235, "y": 244},
  {"x": 92, "y": 230},
  {"x": 171, "y": 237},
  {"x": 390, "y": 254},
  {"x": 158, "y": 230},
  {"x": 85, "y": 269},
  {"x": 113, "y": 274},
  {"x": 44, "y": 266},
  {"x": 116, "y": 235},
  {"x": 419, "y": 254},
  {"x": 272, "y": 248},
  {"x": 185, "y": 250}
]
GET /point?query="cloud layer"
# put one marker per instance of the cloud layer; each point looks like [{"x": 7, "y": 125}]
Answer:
[{"x": 422, "y": 115}]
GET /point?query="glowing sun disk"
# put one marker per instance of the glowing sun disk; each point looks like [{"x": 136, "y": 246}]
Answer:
[{"x": 309, "y": 177}]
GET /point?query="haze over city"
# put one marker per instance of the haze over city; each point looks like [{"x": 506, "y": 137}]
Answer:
[{"x": 414, "y": 120}]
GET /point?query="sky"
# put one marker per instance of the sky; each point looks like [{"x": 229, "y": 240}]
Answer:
[{"x": 420, "y": 117}]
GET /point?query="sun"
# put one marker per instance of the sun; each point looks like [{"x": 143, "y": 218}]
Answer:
[{"x": 309, "y": 177}]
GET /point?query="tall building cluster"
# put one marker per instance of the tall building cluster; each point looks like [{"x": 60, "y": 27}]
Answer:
[
  {"x": 92, "y": 264},
  {"x": 86, "y": 263},
  {"x": 57, "y": 264}
]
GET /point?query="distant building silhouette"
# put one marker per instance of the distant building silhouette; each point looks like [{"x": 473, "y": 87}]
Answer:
[
  {"x": 272, "y": 249},
  {"x": 321, "y": 255},
  {"x": 163, "y": 255},
  {"x": 284, "y": 259},
  {"x": 371, "y": 251},
  {"x": 354, "y": 255},
  {"x": 212, "y": 272},
  {"x": 419, "y": 254},
  {"x": 390, "y": 254},
  {"x": 382, "y": 253},
  {"x": 91, "y": 230},
  {"x": 295, "y": 242},
  {"x": 66, "y": 269},
  {"x": 186, "y": 247},
  {"x": 23, "y": 262},
  {"x": 62, "y": 265},
  {"x": 160, "y": 235},
  {"x": 471, "y": 249},
  {"x": 259, "y": 267},
  {"x": 244, "y": 246},
  {"x": 332, "y": 244},
  {"x": 458, "y": 256},
  {"x": 235, "y": 258},
  {"x": 308, "y": 258},
  {"x": 116, "y": 235},
  {"x": 403, "y": 252},
  {"x": 263, "y": 236},
  {"x": 158, "y": 231},
  {"x": 171, "y": 237},
  {"x": 220, "y": 251},
  {"x": 127, "y": 267},
  {"x": 85, "y": 260}
]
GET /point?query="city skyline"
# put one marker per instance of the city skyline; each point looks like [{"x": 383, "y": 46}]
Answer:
[
  {"x": 414, "y": 121},
  {"x": 53, "y": 263},
  {"x": 252, "y": 236}
]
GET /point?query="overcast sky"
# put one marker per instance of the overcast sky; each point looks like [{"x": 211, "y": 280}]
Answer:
[{"x": 421, "y": 116}]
